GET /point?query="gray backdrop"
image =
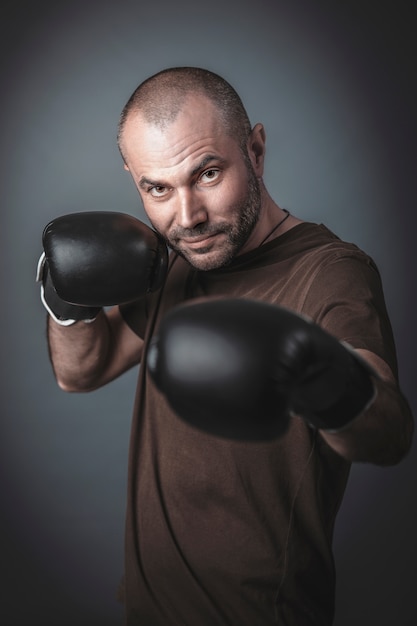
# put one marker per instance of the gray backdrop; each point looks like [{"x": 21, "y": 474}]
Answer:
[{"x": 335, "y": 90}]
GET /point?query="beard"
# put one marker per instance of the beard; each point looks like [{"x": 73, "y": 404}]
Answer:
[{"x": 245, "y": 215}]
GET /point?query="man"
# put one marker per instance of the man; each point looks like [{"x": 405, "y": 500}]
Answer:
[{"x": 229, "y": 520}]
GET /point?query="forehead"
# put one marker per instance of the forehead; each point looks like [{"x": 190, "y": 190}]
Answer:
[{"x": 197, "y": 129}]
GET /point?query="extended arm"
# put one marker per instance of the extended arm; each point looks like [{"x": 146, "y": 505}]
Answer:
[{"x": 241, "y": 369}]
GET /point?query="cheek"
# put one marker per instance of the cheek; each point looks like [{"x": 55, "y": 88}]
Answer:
[
  {"x": 158, "y": 216},
  {"x": 158, "y": 222},
  {"x": 234, "y": 195},
  {"x": 229, "y": 195}
]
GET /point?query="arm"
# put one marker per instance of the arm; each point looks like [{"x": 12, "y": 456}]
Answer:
[
  {"x": 241, "y": 369},
  {"x": 90, "y": 261},
  {"x": 85, "y": 357},
  {"x": 383, "y": 433}
]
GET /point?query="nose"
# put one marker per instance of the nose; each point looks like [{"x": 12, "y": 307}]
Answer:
[{"x": 191, "y": 210}]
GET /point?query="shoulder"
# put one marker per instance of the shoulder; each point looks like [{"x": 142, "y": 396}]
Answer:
[
  {"x": 309, "y": 237},
  {"x": 317, "y": 253}
]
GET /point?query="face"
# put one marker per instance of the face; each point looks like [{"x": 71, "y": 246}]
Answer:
[{"x": 198, "y": 190}]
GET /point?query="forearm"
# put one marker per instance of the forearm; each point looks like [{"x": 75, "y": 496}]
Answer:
[
  {"x": 79, "y": 353},
  {"x": 382, "y": 434}
]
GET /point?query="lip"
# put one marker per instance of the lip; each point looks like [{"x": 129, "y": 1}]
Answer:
[{"x": 200, "y": 241}]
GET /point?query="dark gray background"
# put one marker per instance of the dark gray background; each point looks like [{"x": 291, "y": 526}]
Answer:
[{"x": 335, "y": 88}]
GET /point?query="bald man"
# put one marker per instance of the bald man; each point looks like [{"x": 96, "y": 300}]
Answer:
[{"x": 227, "y": 530}]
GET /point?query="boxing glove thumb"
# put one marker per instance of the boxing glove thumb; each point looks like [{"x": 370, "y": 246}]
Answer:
[{"x": 64, "y": 313}]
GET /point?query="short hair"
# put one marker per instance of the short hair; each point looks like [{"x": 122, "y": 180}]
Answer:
[{"x": 161, "y": 96}]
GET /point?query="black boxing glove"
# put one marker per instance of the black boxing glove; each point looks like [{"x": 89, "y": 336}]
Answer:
[
  {"x": 241, "y": 368},
  {"x": 96, "y": 259}
]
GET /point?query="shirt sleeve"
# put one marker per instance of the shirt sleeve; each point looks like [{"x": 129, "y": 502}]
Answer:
[{"x": 346, "y": 298}]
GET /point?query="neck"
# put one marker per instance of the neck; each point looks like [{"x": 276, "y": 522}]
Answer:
[
  {"x": 276, "y": 227},
  {"x": 273, "y": 221}
]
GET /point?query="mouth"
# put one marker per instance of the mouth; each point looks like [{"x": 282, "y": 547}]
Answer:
[{"x": 200, "y": 241}]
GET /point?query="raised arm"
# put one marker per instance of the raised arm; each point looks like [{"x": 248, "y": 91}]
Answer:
[{"x": 92, "y": 261}]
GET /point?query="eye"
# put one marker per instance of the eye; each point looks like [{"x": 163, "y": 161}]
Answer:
[
  {"x": 158, "y": 191},
  {"x": 209, "y": 176}
]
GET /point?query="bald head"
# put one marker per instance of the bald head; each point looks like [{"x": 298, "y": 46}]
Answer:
[{"x": 160, "y": 98}]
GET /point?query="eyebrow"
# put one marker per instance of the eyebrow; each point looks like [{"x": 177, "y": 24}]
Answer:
[
  {"x": 143, "y": 182},
  {"x": 206, "y": 161}
]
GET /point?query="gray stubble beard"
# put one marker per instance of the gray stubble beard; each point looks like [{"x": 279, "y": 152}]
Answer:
[{"x": 247, "y": 213}]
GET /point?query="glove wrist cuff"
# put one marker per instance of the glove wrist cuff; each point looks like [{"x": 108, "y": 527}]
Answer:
[
  {"x": 359, "y": 394},
  {"x": 63, "y": 313}
]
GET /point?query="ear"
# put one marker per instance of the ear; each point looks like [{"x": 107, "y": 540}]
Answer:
[{"x": 256, "y": 149}]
